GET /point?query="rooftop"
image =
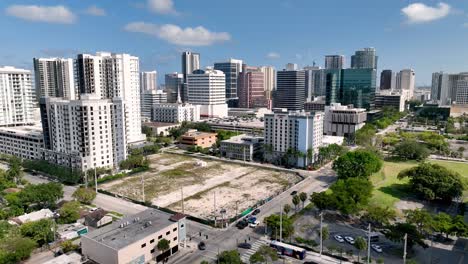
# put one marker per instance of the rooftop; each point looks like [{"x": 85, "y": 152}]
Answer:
[
  {"x": 250, "y": 122},
  {"x": 130, "y": 229},
  {"x": 198, "y": 134},
  {"x": 159, "y": 124},
  {"x": 35, "y": 130},
  {"x": 243, "y": 138}
]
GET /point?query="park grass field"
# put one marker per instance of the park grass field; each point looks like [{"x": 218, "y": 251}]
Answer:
[{"x": 388, "y": 189}]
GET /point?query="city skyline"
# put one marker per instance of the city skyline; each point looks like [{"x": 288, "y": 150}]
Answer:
[{"x": 157, "y": 31}]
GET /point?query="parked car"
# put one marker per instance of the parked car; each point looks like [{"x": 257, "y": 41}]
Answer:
[
  {"x": 252, "y": 219},
  {"x": 254, "y": 224},
  {"x": 377, "y": 248},
  {"x": 245, "y": 245},
  {"x": 242, "y": 224},
  {"x": 349, "y": 239},
  {"x": 339, "y": 238},
  {"x": 293, "y": 192},
  {"x": 201, "y": 245},
  {"x": 256, "y": 211}
]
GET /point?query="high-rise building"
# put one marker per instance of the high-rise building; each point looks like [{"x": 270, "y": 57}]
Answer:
[
  {"x": 190, "y": 63},
  {"x": 343, "y": 120},
  {"x": 111, "y": 75},
  {"x": 405, "y": 81},
  {"x": 364, "y": 59},
  {"x": 269, "y": 74},
  {"x": 231, "y": 69},
  {"x": 54, "y": 77},
  {"x": 387, "y": 80},
  {"x": 207, "y": 88},
  {"x": 176, "y": 113},
  {"x": 291, "y": 67},
  {"x": 290, "y": 90},
  {"x": 252, "y": 88},
  {"x": 312, "y": 81},
  {"x": 148, "y": 81},
  {"x": 84, "y": 134},
  {"x": 300, "y": 131},
  {"x": 334, "y": 62},
  {"x": 16, "y": 97},
  {"x": 174, "y": 83},
  {"x": 351, "y": 86},
  {"x": 149, "y": 99},
  {"x": 462, "y": 90},
  {"x": 445, "y": 86}
]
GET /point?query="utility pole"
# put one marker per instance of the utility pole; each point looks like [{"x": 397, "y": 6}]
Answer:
[
  {"x": 95, "y": 179},
  {"x": 86, "y": 178},
  {"x": 321, "y": 233},
  {"x": 404, "y": 249},
  {"x": 368, "y": 244},
  {"x": 281, "y": 223},
  {"x": 214, "y": 194}
]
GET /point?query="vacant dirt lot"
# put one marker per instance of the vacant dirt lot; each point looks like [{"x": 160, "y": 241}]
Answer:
[{"x": 233, "y": 186}]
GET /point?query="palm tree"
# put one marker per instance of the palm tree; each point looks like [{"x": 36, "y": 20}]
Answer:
[
  {"x": 163, "y": 245},
  {"x": 267, "y": 149},
  {"x": 303, "y": 156},
  {"x": 360, "y": 244},
  {"x": 287, "y": 209},
  {"x": 303, "y": 197},
  {"x": 310, "y": 155},
  {"x": 295, "y": 201}
]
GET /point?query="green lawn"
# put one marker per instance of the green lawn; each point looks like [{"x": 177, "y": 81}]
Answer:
[{"x": 388, "y": 189}]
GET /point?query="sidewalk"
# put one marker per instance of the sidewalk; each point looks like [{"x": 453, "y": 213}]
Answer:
[{"x": 312, "y": 256}]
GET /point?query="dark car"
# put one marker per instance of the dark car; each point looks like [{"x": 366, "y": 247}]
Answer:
[
  {"x": 242, "y": 224},
  {"x": 257, "y": 211},
  {"x": 293, "y": 192},
  {"x": 201, "y": 245},
  {"x": 245, "y": 245}
]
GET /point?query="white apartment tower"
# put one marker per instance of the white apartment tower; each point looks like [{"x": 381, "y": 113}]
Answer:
[
  {"x": 208, "y": 89},
  {"x": 269, "y": 74},
  {"x": 16, "y": 97},
  {"x": 84, "y": 134},
  {"x": 405, "y": 81},
  {"x": 112, "y": 76},
  {"x": 148, "y": 81},
  {"x": 297, "y": 130},
  {"x": 54, "y": 77}
]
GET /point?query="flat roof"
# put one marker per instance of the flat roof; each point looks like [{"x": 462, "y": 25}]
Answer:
[
  {"x": 117, "y": 237},
  {"x": 35, "y": 130},
  {"x": 159, "y": 124},
  {"x": 237, "y": 121},
  {"x": 241, "y": 139}
]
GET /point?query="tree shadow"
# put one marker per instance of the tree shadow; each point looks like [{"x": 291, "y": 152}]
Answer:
[{"x": 398, "y": 190}]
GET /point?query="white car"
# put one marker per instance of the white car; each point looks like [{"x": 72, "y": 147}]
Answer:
[
  {"x": 339, "y": 238},
  {"x": 349, "y": 239},
  {"x": 254, "y": 224},
  {"x": 377, "y": 248}
]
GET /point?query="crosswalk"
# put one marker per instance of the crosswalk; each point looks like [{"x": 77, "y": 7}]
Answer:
[{"x": 255, "y": 246}]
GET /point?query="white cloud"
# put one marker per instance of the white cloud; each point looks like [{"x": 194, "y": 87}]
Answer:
[
  {"x": 421, "y": 13},
  {"x": 50, "y": 14},
  {"x": 95, "y": 11},
  {"x": 198, "y": 36},
  {"x": 273, "y": 55},
  {"x": 162, "y": 6}
]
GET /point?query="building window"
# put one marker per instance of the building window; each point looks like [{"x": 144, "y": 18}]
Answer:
[
  {"x": 152, "y": 251},
  {"x": 168, "y": 232},
  {"x": 175, "y": 238},
  {"x": 152, "y": 241},
  {"x": 175, "y": 229},
  {"x": 159, "y": 237},
  {"x": 143, "y": 245}
]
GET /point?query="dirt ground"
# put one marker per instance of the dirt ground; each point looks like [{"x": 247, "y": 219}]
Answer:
[{"x": 233, "y": 186}]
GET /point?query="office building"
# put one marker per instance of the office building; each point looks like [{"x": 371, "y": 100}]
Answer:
[
  {"x": 148, "y": 81},
  {"x": 312, "y": 81},
  {"x": 290, "y": 90},
  {"x": 232, "y": 68},
  {"x": 291, "y": 67},
  {"x": 176, "y": 113},
  {"x": 112, "y": 76},
  {"x": 364, "y": 59},
  {"x": 296, "y": 130},
  {"x": 55, "y": 77},
  {"x": 351, "y": 86},
  {"x": 405, "y": 81},
  {"x": 391, "y": 99},
  {"x": 462, "y": 90},
  {"x": 84, "y": 134},
  {"x": 387, "y": 80},
  {"x": 334, "y": 62},
  {"x": 190, "y": 63},
  {"x": 134, "y": 239},
  {"x": 149, "y": 99},
  {"x": 242, "y": 147},
  {"x": 174, "y": 87},
  {"x": 445, "y": 87},
  {"x": 208, "y": 89},
  {"x": 269, "y": 74},
  {"x": 198, "y": 139},
  {"x": 24, "y": 142},
  {"x": 252, "y": 88},
  {"x": 17, "y": 97},
  {"x": 343, "y": 120},
  {"x": 317, "y": 104}
]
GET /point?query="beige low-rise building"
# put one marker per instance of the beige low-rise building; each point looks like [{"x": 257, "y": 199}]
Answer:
[
  {"x": 199, "y": 139},
  {"x": 134, "y": 239}
]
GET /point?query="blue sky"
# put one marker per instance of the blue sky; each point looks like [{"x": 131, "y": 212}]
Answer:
[{"x": 425, "y": 35}]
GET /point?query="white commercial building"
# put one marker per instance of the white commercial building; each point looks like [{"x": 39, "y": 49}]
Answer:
[
  {"x": 54, "y": 77},
  {"x": 390, "y": 99},
  {"x": 343, "y": 120},
  {"x": 445, "y": 88},
  {"x": 176, "y": 113},
  {"x": 405, "y": 81},
  {"x": 148, "y": 81},
  {"x": 84, "y": 134},
  {"x": 149, "y": 99},
  {"x": 241, "y": 147},
  {"x": 300, "y": 131},
  {"x": 24, "y": 142},
  {"x": 16, "y": 97},
  {"x": 112, "y": 76},
  {"x": 208, "y": 89}
]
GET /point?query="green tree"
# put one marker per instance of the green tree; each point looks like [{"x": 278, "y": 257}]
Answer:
[
  {"x": 323, "y": 200},
  {"x": 40, "y": 231},
  {"x": 68, "y": 246},
  {"x": 421, "y": 218},
  {"x": 263, "y": 255},
  {"x": 397, "y": 232},
  {"x": 432, "y": 181},
  {"x": 350, "y": 195},
  {"x": 411, "y": 150},
  {"x": 229, "y": 257},
  {"x": 379, "y": 216},
  {"x": 359, "y": 163},
  {"x": 296, "y": 200},
  {"x": 443, "y": 223},
  {"x": 325, "y": 233},
  {"x": 365, "y": 135},
  {"x": 84, "y": 195},
  {"x": 15, "y": 249},
  {"x": 303, "y": 197},
  {"x": 69, "y": 212},
  {"x": 44, "y": 195},
  {"x": 310, "y": 155},
  {"x": 287, "y": 209},
  {"x": 163, "y": 245},
  {"x": 15, "y": 171},
  {"x": 273, "y": 223},
  {"x": 459, "y": 226},
  {"x": 360, "y": 245}
]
